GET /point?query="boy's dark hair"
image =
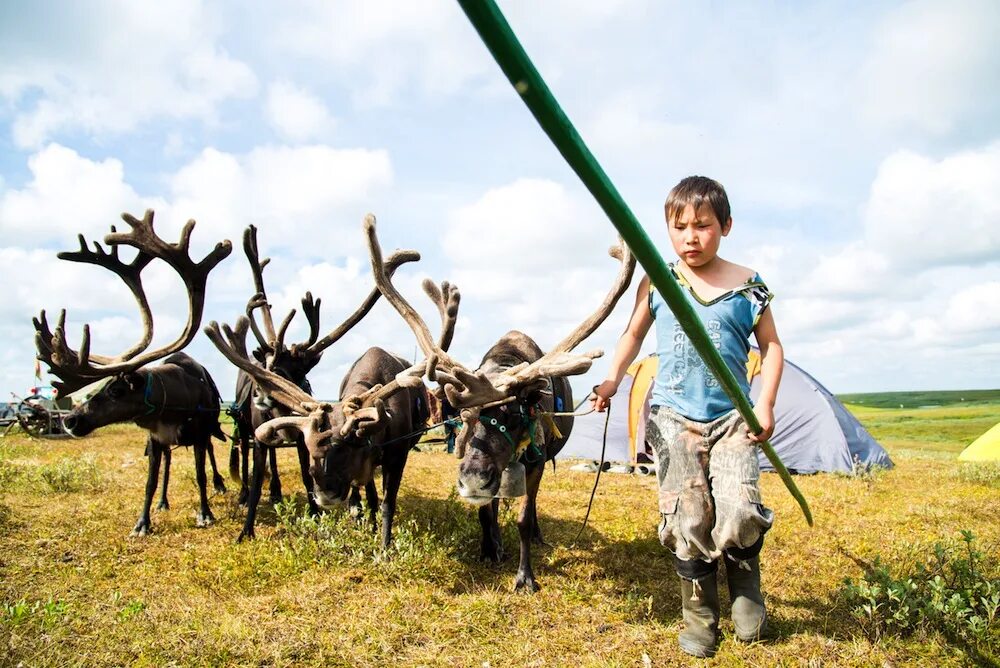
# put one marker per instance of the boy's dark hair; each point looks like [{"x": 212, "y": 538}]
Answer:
[{"x": 698, "y": 190}]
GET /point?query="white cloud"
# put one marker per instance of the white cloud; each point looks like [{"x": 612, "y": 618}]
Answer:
[
  {"x": 933, "y": 65},
  {"x": 385, "y": 47},
  {"x": 315, "y": 195},
  {"x": 296, "y": 114},
  {"x": 67, "y": 194},
  {"x": 530, "y": 256},
  {"x": 926, "y": 212},
  {"x": 854, "y": 271},
  {"x": 65, "y": 71},
  {"x": 968, "y": 314}
]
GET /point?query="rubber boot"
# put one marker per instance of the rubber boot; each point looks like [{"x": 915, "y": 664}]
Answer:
[
  {"x": 700, "y": 601},
  {"x": 749, "y": 614}
]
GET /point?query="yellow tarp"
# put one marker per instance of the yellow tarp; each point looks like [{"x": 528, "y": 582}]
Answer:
[{"x": 986, "y": 448}]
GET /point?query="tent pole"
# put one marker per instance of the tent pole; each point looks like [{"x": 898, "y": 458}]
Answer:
[{"x": 498, "y": 37}]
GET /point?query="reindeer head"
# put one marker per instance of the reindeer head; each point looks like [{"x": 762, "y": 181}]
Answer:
[
  {"x": 120, "y": 400},
  {"x": 500, "y": 401},
  {"x": 341, "y": 438}
]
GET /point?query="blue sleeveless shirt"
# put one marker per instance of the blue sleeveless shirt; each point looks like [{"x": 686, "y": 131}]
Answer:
[{"x": 683, "y": 382}]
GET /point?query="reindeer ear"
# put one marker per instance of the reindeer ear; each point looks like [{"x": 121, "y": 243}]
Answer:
[
  {"x": 531, "y": 393},
  {"x": 259, "y": 355},
  {"x": 134, "y": 380}
]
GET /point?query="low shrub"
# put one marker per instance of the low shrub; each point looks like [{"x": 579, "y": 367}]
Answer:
[
  {"x": 980, "y": 473},
  {"x": 953, "y": 591},
  {"x": 46, "y": 614}
]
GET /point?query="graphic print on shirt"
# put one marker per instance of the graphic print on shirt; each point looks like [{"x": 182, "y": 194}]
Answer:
[{"x": 686, "y": 359}]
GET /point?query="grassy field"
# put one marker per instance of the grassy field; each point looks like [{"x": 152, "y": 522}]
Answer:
[
  {"x": 76, "y": 590},
  {"x": 931, "y": 399}
]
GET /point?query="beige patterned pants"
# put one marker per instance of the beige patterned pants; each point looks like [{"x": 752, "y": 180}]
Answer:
[{"x": 709, "y": 492}]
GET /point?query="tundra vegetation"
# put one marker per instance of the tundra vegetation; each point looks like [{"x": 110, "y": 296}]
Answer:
[{"x": 321, "y": 590}]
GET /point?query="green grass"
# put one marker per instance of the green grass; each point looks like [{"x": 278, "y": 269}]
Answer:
[
  {"x": 948, "y": 429},
  {"x": 926, "y": 399},
  {"x": 76, "y": 590}
]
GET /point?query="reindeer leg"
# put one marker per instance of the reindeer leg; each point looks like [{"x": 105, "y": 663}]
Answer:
[
  {"x": 153, "y": 452},
  {"x": 217, "y": 482},
  {"x": 354, "y": 503},
  {"x": 306, "y": 478},
  {"x": 536, "y": 533},
  {"x": 275, "y": 481},
  {"x": 205, "y": 517},
  {"x": 371, "y": 496},
  {"x": 392, "y": 476},
  {"x": 492, "y": 549},
  {"x": 164, "y": 504},
  {"x": 245, "y": 446},
  {"x": 256, "y": 486},
  {"x": 525, "y": 579}
]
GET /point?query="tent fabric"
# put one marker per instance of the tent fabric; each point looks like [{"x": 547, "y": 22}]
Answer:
[
  {"x": 986, "y": 448},
  {"x": 813, "y": 430},
  {"x": 588, "y": 433}
]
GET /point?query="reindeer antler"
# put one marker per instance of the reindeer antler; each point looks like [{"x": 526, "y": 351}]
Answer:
[
  {"x": 271, "y": 340},
  {"x": 363, "y": 412},
  {"x": 560, "y": 361},
  {"x": 396, "y": 260},
  {"x": 465, "y": 388},
  {"x": 447, "y": 299},
  {"x": 234, "y": 347},
  {"x": 79, "y": 368}
]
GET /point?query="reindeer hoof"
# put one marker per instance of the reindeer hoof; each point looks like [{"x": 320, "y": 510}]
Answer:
[
  {"x": 163, "y": 505},
  {"x": 526, "y": 584},
  {"x": 246, "y": 535},
  {"x": 205, "y": 520},
  {"x": 276, "y": 498},
  {"x": 492, "y": 554},
  {"x": 141, "y": 529},
  {"x": 220, "y": 487}
]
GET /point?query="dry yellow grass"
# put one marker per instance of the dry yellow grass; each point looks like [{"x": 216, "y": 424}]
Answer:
[{"x": 77, "y": 590}]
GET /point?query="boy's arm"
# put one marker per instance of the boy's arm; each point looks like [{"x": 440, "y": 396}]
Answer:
[
  {"x": 772, "y": 362},
  {"x": 627, "y": 348}
]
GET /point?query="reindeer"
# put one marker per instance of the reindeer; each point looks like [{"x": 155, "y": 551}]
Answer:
[
  {"x": 379, "y": 418},
  {"x": 176, "y": 402},
  {"x": 255, "y": 406},
  {"x": 506, "y": 406}
]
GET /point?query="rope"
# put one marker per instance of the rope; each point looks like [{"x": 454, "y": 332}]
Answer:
[{"x": 597, "y": 479}]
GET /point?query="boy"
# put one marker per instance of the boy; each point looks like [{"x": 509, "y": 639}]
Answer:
[{"x": 707, "y": 467}]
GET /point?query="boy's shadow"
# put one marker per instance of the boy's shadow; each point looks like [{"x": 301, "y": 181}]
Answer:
[{"x": 641, "y": 567}]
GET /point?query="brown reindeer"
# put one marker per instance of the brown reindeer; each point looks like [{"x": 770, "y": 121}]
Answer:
[
  {"x": 503, "y": 405},
  {"x": 255, "y": 406},
  {"x": 379, "y": 417},
  {"x": 176, "y": 402}
]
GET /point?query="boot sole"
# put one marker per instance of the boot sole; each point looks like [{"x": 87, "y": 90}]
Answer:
[
  {"x": 699, "y": 651},
  {"x": 756, "y": 635}
]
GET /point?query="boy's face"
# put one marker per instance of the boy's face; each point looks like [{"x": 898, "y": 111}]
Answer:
[{"x": 696, "y": 235}]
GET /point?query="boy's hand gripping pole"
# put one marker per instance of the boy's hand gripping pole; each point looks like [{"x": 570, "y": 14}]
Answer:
[{"x": 496, "y": 33}]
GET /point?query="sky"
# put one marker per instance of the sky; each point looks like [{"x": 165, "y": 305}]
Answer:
[{"x": 859, "y": 144}]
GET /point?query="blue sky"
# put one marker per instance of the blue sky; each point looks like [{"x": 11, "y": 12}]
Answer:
[{"x": 859, "y": 143}]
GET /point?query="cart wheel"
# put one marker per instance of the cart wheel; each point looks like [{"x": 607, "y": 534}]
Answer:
[{"x": 34, "y": 420}]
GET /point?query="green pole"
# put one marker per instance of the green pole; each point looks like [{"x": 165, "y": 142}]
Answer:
[{"x": 496, "y": 33}]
